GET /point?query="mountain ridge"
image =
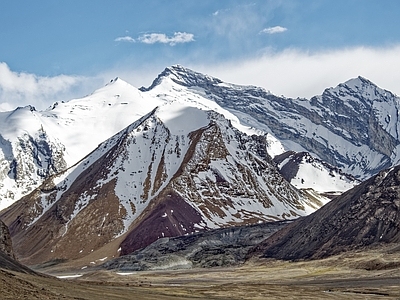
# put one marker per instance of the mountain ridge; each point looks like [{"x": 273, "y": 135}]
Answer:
[
  {"x": 221, "y": 176},
  {"x": 364, "y": 128}
]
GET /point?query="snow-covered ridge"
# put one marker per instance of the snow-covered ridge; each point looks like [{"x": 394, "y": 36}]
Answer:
[{"x": 354, "y": 126}]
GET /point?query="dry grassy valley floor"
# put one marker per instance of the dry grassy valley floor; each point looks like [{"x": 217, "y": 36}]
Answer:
[{"x": 371, "y": 274}]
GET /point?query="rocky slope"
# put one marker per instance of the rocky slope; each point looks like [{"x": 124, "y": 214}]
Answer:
[
  {"x": 366, "y": 215},
  {"x": 175, "y": 171}
]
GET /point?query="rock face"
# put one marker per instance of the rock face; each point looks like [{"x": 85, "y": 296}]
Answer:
[
  {"x": 367, "y": 215},
  {"x": 7, "y": 258},
  {"x": 215, "y": 248},
  {"x": 175, "y": 171},
  {"x": 5, "y": 240}
]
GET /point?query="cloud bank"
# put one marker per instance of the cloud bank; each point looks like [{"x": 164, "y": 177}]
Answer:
[
  {"x": 20, "y": 89},
  {"x": 296, "y": 73}
]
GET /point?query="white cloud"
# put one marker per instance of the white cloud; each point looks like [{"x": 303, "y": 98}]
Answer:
[
  {"x": 125, "y": 39},
  {"x": 273, "y": 30},
  {"x": 20, "y": 89},
  {"x": 295, "y": 73},
  {"x": 177, "y": 38}
]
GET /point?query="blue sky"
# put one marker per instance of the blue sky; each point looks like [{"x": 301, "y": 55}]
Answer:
[{"x": 53, "y": 50}]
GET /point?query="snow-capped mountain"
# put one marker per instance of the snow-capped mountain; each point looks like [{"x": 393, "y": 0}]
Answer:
[
  {"x": 28, "y": 154},
  {"x": 176, "y": 170},
  {"x": 37, "y": 144},
  {"x": 353, "y": 126},
  {"x": 126, "y": 166}
]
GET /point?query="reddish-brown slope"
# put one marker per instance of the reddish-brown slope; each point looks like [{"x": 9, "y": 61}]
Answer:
[{"x": 173, "y": 216}]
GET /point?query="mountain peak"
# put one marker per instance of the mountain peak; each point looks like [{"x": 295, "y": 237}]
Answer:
[
  {"x": 363, "y": 87},
  {"x": 113, "y": 80},
  {"x": 182, "y": 76},
  {"x": 358, "y": 83},
  {"x": 176, "y": 170},
  {"x": 116, "y": 81}
]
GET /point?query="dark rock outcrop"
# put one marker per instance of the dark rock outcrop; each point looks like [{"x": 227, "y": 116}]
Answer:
[
  {"x": 219, "y": 247},
  {"x": 367, "y": 215}
]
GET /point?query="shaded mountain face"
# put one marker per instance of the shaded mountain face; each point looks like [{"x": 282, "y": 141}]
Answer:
[
  {"x": 366, "y": 215},
  {"x": 353, "y": 126},
  {"x": 27, "y": 155},
  {"x": 175, "y": 171}
]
